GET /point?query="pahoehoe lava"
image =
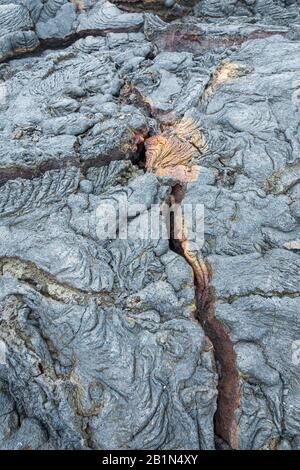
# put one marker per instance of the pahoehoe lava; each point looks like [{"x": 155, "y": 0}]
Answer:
[{"x": 110, "y": 112}]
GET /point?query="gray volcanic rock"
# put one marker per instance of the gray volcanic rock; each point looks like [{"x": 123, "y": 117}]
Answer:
[
  {"x": 252, "y": 233},
  {"x": 107, "y": 17},
  {"x": 27, "y": 24},
  {"x": 141, "y": 340},
  {"x": 65, "y": 107},
  {"x": 271, "y": 11}
]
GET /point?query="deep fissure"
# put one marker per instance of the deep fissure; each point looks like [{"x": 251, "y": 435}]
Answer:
[{"x": 225, "y": 423}]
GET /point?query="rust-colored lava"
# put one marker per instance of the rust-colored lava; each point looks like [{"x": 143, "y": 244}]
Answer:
[
  {"x": 229, "y": 381},
  {"x": 226, "y": 72},
  {"x": 192, "y": 38},
  {"x": 175, "y": 151}
]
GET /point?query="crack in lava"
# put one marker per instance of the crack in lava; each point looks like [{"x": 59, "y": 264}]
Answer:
[{"x": 225, "y": 418}]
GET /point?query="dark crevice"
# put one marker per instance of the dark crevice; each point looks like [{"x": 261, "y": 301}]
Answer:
[
  {"x": 139, "y": 157},
  {"x": 14, "y": 172},
  {"x": 63, "y": 43},
  {"x": 226, "y": 430}
]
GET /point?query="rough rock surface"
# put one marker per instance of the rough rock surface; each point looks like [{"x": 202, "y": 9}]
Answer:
[{"x": 149, "y": 342}]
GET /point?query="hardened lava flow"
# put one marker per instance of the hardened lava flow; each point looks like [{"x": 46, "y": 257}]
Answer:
[
  {"x": 226, "y": 429},
  {"x": 173, "y": 153}
]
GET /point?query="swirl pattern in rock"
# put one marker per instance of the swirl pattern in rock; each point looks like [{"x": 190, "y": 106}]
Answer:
[{"x": 139, "y": 341}]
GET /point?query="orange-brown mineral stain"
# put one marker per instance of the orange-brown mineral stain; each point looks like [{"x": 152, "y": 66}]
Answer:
[
  {"x": 173, "y": 153},
  {"x": 225, "y": 73},
  {"x": 229, "y": 389},
  {"x": 79, "y": 5},
  {"x": 226, "y": 425}
]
